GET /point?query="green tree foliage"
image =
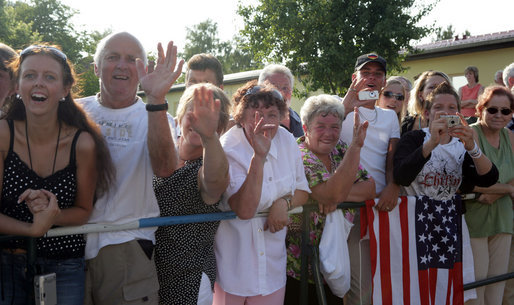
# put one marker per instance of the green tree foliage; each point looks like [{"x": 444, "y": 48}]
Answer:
[
  {"x": 448, "y": 33},
  {"x": 320, "y": 40},
  {"x": 15, "y": 32},
  {"x": 203, "y": 38},
  {"x": 88, "y": 81},
  {"x": 25, "y": 23},
  {"x": 42, "y": 20}
]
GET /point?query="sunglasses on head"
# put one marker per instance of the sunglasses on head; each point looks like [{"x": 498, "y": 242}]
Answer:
[
  {"x": 398, "y": 97},
  {"x": 256, "y": 89},
  {"x": 493, "y": 110},
  {"x": 33, "y": 48}
]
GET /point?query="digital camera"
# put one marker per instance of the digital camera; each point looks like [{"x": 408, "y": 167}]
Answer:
[
  {"x": 451, "y": 120},
  {"x": 368, "y": 95}
]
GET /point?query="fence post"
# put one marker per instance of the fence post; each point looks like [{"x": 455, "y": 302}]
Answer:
[
  {"x": 31, "y": 269},
  {"x": 304, "y": 271}
]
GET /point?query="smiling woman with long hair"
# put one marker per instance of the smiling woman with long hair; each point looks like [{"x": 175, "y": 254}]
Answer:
[{"x": 54, "y": 161}]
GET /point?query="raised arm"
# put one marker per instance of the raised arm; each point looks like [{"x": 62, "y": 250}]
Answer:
[
  {"x": 163, "y": 155},
  {"x": 468, "y": 137},
  {"x": 336, "y": 189},
  {"x": 246, "y": 200},
  {"x": 204, "y": 118}
]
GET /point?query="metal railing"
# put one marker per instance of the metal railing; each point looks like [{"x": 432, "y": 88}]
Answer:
[{"x": 309, "y": 252}]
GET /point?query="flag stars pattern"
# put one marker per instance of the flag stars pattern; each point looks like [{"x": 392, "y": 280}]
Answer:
[{"x": 438, "y": 236}]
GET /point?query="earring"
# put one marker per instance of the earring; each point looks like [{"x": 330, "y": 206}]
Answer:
[
  {"x": 62, "y": 99},
  {"x": 18, "y": 97}
]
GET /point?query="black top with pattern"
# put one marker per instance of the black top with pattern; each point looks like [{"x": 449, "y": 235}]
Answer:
[
  {"x": 183, "y": 252},
  {"x": 17, "y": 178}
]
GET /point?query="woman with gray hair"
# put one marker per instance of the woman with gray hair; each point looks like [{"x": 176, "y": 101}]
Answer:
[{"x": 334, "y": 175}]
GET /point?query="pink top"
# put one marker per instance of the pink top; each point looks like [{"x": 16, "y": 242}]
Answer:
[{"x": 469, "y": 94}]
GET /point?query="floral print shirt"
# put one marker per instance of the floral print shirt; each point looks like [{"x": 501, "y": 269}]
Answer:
[{"x": 316, "y": 173}]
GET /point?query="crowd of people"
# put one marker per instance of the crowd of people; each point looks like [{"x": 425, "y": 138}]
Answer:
[{"x": 112, "y": 158}]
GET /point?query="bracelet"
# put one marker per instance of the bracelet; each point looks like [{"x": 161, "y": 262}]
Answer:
[
  {"x": 289, "y": 203},
  {"x": 476, "y": 155},
  {"x": 476, "y": 152},
  {"x": 160, "y": 107}
]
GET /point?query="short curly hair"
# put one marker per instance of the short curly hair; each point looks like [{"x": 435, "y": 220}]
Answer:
[{"x": 254, "y": 97}]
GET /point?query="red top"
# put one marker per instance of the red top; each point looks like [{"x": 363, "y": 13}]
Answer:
[{"x": 469, "y": 94}]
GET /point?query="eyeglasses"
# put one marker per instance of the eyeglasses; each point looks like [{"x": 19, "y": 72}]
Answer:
[
  {"x": 398, "y": 97},
  {"x": 504, "y": 111},
  {"x": 274, "y": 92},
  {"x": 33, "y": 48}
]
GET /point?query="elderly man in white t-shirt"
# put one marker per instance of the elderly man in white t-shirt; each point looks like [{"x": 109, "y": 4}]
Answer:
[{"x": 120, "y": 264}]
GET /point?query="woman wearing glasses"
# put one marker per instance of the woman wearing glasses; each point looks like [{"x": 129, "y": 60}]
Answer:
[
  {"x": 392, "y": 97},
  {"x": 489, "y": 217},
  {"x": 54, "y": 161},
  {"x": 266, "y": 174}
]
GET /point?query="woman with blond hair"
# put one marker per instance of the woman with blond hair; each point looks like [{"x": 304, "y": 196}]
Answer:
[{"x": 426, "y": 83}]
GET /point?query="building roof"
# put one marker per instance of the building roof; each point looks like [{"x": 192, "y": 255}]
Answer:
[{"x": 459, "y": 45}]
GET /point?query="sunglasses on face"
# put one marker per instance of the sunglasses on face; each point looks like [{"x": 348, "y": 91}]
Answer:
[
  {"x": 493, "y": 110},
  {"x": 33, "y": 48},
  {"x": 398, "y": 97},
  {"x": 274, "y": 92}
]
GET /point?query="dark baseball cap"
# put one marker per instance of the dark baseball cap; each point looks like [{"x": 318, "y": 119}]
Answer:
[{"x": 371, "y": 57}]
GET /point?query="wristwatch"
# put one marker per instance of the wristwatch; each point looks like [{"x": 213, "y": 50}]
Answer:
[{"x": 160, "y": 107}]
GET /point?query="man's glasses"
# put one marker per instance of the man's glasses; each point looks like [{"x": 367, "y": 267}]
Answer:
[
  {"x": 274, "y": 92},
  {"x": 493, "y": 110},
  {"x": 34, "y": 48},
  {"x": 398, "y": 97}
]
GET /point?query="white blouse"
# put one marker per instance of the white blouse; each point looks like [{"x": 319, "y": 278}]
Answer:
[{"x": 252, "y": 261}]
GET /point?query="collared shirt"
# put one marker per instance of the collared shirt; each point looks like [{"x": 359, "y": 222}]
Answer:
[
  {"x": 295, "y": 124},
  {"x": 252, "y": 261}
]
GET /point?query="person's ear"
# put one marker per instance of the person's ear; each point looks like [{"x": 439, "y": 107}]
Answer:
[
  {"x": 97, "y": 71},
  {"x": 354, "y": 75},
  {"x": 304, "y": 127}
]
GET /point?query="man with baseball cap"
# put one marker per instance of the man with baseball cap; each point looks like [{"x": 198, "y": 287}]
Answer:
[{"x": 376, "y": 157}]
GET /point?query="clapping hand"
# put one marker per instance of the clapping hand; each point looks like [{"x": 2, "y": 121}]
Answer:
[
  {"x": 158, "y": 83},
  {"x": 43, "y": 205},
  {"x": 204, "y": 117}
]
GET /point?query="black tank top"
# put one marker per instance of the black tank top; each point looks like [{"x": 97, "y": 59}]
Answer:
[{"x": 17, "y": 178}]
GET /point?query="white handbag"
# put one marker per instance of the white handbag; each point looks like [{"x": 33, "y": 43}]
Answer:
[{"x": 333, "y": 253}]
